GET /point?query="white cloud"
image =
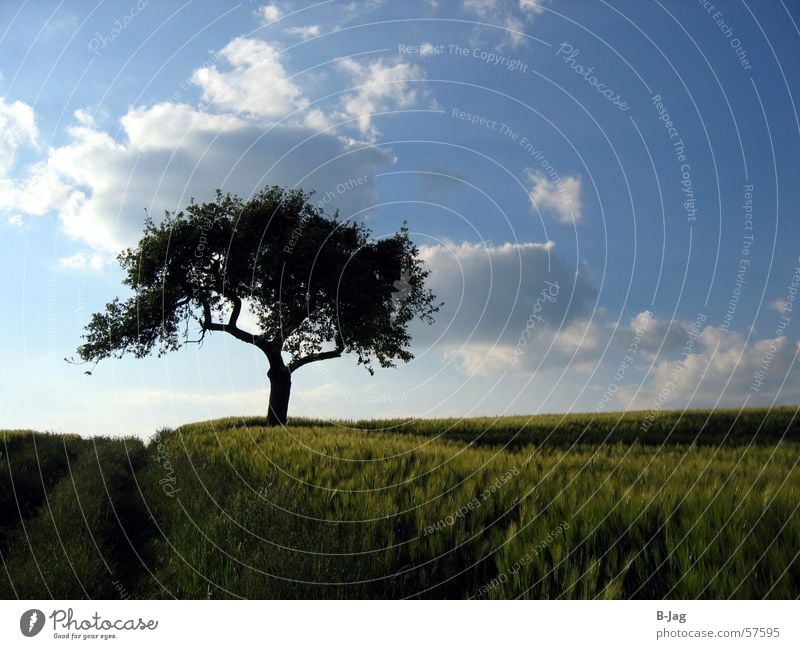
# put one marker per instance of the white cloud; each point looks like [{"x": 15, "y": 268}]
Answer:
[
  {"x": 357, "y": 8},
  {"x": 480, "y": 7},
  {"x": 381, "y": 87},
  {"x": 533, "y": 6},
  {"x": 720, "y": 358},
  {"x": 305, "y": 31},
  {"x": 493, "y": 7},
  {"x": 779, "y": 305},
  {"x": 256, "y": 83},
  {"x": 84, "y": 261},
  {"x": 659, "y": 337},
  {"x": 38, "y": 193},
  {"x": 169, "y": 126},
  {"x": 480, "y": 359},
  {"x": 17, "y": 127},
  {"x": 334, "y": 15},
  {"x": 84, "y": 117},
  {"x": 100, "y": 186},
  {"x": 501, "y": 13},
  {"x": 688, "y": 367},
  {"x": 15, "y": 220},
  {"x": 561, "y": 196},
  {"x": 485, "y": 331},
  {"x": 249, "y": 400},
  {"x": 578, "y": 346},
  {"x": 480, "y": 323},
  {"x": 270, "y": 13}
]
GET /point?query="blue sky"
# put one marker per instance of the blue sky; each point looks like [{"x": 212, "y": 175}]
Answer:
[{"x": 638, "y": 156}]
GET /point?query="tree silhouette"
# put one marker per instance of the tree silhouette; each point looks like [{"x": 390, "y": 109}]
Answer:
[{"x": 317, "y": 286}]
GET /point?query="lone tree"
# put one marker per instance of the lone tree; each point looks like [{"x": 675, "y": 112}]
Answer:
[{"x": 317, "y": 286}]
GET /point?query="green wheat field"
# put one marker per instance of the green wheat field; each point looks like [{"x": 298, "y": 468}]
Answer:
[{"x": 699, "y": 504}]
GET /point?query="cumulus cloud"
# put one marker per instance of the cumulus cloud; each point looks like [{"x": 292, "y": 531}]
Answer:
[
  {"x": 380, "y": 87},
  {"x": 304, "y": 31},
  {"x": 169, "y": 153},
  {"x": 256, "y": 81},
  {"x": 534, "y": 6},
  {"x": 253, "y": 81},
  {"x": 17, "y": 128},
  {"x": 238, "y": 139},
  {"x": 545, "y": 318},
  {"x": 659, "y": 337},
  {"x": 561, "y": 196},
  {"x": 512, "y": 16},
  {"x": 170, "y": 126},
  {"x": 427, "y": 49},
  {"x": 270, "y": 13},
  {"x": 488, "y": 7},
  {"x": 84, "y": 261},
  {"x": 717, "y": 367},
  {"x": 492, "y": 292},
  {"x": 779, "y": 305},
  {"x": 237, "y": 401},
  {"x": 254, "y": 127}
]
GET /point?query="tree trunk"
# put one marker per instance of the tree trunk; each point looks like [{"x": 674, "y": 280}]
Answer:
[{"x": 280, "y": 386}]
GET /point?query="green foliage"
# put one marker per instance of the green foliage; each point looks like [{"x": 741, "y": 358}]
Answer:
[
  {"x": 701, "y": 506},
  {"x": 312, "y": 281},
  {"x": 88, "y": 532},
  {"x": 30, "y": 465},
  {"x": 702, "y": 427}
]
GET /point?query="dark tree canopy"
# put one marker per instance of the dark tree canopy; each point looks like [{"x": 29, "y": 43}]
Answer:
[{"x": 318, "y": 286}]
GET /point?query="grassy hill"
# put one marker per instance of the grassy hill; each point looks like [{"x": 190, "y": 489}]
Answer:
[{"x": 688, "y": 505}]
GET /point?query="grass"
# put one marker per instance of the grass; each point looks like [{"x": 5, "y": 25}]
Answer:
[{"x": 689, "y": 505}]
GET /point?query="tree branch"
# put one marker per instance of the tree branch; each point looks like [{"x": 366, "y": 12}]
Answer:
[
  {"x": 319, "y": 356},
  {"x": 231, "y": 327}
]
